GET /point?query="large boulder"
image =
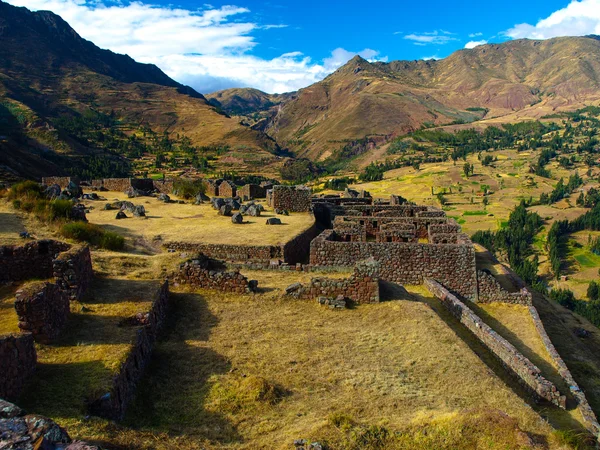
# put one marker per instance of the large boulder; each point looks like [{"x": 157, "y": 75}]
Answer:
[
  {"x": 253, "y": 210},
  {"x": 139, "y": 211},
  {"x": 53, "y": 191},
  {"x": 282, "y": 212},
  {"x": 237, "y": 218},
  {"x": 121, "y": 215},
  {"x": 73, "y": 190},
  {"x": 126, "y": 206},
  {"x": 199, "y": 199},
  {"x": 225, "y": 210},
  {"x": 273, "y": 221},
  {"x": 132, "y": 192},
  {"x": 217, "y": 203},
  {"x": 164, "y": 198}
]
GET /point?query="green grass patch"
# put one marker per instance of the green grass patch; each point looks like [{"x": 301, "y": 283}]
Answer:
[
  {"x": 475, "y": 213},
  {"x": 93, "y": 234}
]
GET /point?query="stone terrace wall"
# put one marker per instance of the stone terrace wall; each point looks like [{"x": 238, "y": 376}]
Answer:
[
  {"x": 63, "y": 182},
  {"x": 361, "y": 287},
  {"x": 343, "y": 200},
  {"x": 374, "y": 224},
  {"x": 490, "y": 290},
  {"x": 522, "y": 367},
  {"x": 43, "y": 309},
  {"x": 17, "y": 360},
  {"x": 73, "y": 271},
  {"x": 238, "y": 253},
  {"x": 291, "y": 198},
  {"x": 201, "y": 273},
  {"x": 403, "y": 262},
  {"x": 32, "y": 260},
  {"x": 113, "y": 404},
  {"x": 449, "y": 227}
]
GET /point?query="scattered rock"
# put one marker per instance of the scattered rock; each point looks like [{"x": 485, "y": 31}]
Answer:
[
  {"x": 133, "y": 192},
  {"x": 581, "y": 333},
  {"x": 121, "y": 215},
  {"x": 253, "y": 210},
  {"x": 199, "y": 199},
  {"x": 292, "y": 288},
  {"x": 217, "y": 203},
  {"x": 164, "y": 198},
  {"x": 273, "y": 221},
  {"x": 225, "y": 210},
  {"x": 24, "y": 235},
  {"x": 110, "y": 207},
  {"x": 139, "y": 211},
  {"x": 338, "y": 303},
  {"x": 282, "y": 212},
  {"x": 237, "y": 218},
  {"x": 52, "y": 191},
  {"x": 252, "y": 285}
]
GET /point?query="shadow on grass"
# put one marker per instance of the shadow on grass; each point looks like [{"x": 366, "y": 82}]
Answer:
[{"x": 171, "y": 397}]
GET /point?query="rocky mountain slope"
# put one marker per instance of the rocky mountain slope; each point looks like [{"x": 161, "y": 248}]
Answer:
[
  {"x": 371, "y": 102},
  {"x": 246, "y": 101},
  {"x": 48, "y": 72}
]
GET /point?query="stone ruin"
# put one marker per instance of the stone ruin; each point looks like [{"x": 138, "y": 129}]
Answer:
[
  {"x": 290, "y": 198},
  {"x": 205, "y": 272}
]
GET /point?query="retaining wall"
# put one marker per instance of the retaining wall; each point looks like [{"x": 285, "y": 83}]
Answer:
[
  {"x": 403, "y": 262},
  {"x": 518, "y": 364},
  {"x": 205, "y": 273},
  {"x": 113, "y": 404},
  {"x": 43, "y": 309},
  {"x": 32, "y": 260},
  {"x": 18, "y": 356}
]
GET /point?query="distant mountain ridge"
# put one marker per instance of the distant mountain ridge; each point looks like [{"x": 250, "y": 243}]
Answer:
[{"x": 48, "y": 71}]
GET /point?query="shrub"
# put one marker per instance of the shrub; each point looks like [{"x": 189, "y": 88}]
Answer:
[
  {"x": 188, "y": 188},
  {"x": 93, "y": 234},
  {"x": 29, "y": 190},
  {"x": 60, "y": 209}
]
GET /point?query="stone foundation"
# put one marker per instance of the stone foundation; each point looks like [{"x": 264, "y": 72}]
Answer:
[
  {"x": 204, "y": 272},
  {"x": 512, "y": 359},
  {"x": 361, "y": 287},
  {"x": 43, "y": 310},
  {"x": 113, "y": 404},
  {"x": 17, "y": 359}
]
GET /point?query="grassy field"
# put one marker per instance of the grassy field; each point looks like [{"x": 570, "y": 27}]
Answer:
[
  {"x": 258, "y": 371},
  {"x": 195, "y": 223},
  {"x": 10, "y": 225}
]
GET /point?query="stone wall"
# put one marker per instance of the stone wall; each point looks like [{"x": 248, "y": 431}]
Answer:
[
  {"x": 63, "y": 182},
  {"x": 251, "y": 191},
  {"x": 361, "y": 287},
  {"x": 374, "y": 224},
  {"x": 402, "y": 262},
  {"x": 43, "y": 309},
  {"x": 212, "y": 187},
  {"x": 163, "y": 186},
  {"x": 18, "y": 359},
  {"x": 113, "y": 404},
  {"x": 337, "y": 200},
  {"x": 291, "y": 198},
  {"x": 32, "y": 260},
  {"x": 238, "y": 253},
  {"x": 518, "y": 364},
  {"x": 490, "y": 290},
  {"x": 116, "y": 184},
  {"x": 73, "y": 271},
  {"x": 204, "y": 272},
  {"x": 227, "y": 189}
]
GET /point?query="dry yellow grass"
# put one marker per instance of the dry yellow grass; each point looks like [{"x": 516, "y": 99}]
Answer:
[
  {"x": 9, "y": 323},
  {"x": 10, "y": 225},
  {"x": 257, "y": 371},
  {"x": 196, "y": 223}
]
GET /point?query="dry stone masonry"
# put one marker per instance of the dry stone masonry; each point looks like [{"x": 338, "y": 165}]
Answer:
[
  {"x": 490, "y": 290},
  {"x": 17, "y": 360},
  {"x": 204, "y": 272},
  {"x": 516, "y": 362},
  {"x": 113, "y": 404},
  {"x": 73, "y": 271},
  {"x": 32, "y": 260},
  {"x": 290, "y": 198}
]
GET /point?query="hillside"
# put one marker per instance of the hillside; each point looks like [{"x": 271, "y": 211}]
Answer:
[
  {"x": 370, "y": 102},
  {"x": 49, "y": 74},
  {"x": 245, "y": 101}
]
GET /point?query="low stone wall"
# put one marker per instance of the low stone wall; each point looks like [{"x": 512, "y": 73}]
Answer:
[
  {"x": 113, "y": 404},
  {"x": 17, "y": 360},
  {"x": 237, "y": 253},
  {"x": 403, "y": 262},
  {"x": 444, "y": 238},
  {"x": 32, "y": 260},
  {"x": 206, "y": 273},
  {"x": 73, "y": 271},
  {"x": 518, "y": 364},
  {"x": 361, "y": 287},
  {"x": 116, "y": 184},
  {"x": 449, "y": 227},
  {"x": 291, "y": 198},
  {"x": 63, "y": 182},
  {"x": 343, "y": 201},
  {"x": 490, "y": 290},
  {"x": 43, "y": 309}
]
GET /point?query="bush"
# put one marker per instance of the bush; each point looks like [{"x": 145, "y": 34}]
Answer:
[
  {"x": 27, "y": 190},
  {"x": 60, "y": 209},
  {"x": 93, "y": 234},
  {"x": 188, "y": 188}
]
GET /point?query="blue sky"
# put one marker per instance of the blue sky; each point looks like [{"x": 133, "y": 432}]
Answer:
[{"x": 281, "y": 46}]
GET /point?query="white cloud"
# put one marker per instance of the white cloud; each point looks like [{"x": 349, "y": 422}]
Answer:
[
  {"x": 209, "y": 48},
  {"x": 578, "y": 18},
  {"x": 473, "y": 35},
  {"x": 428, "y": 58},
  {"x": 433, "y": 37},
  {"x": 473, "y": 44}
]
